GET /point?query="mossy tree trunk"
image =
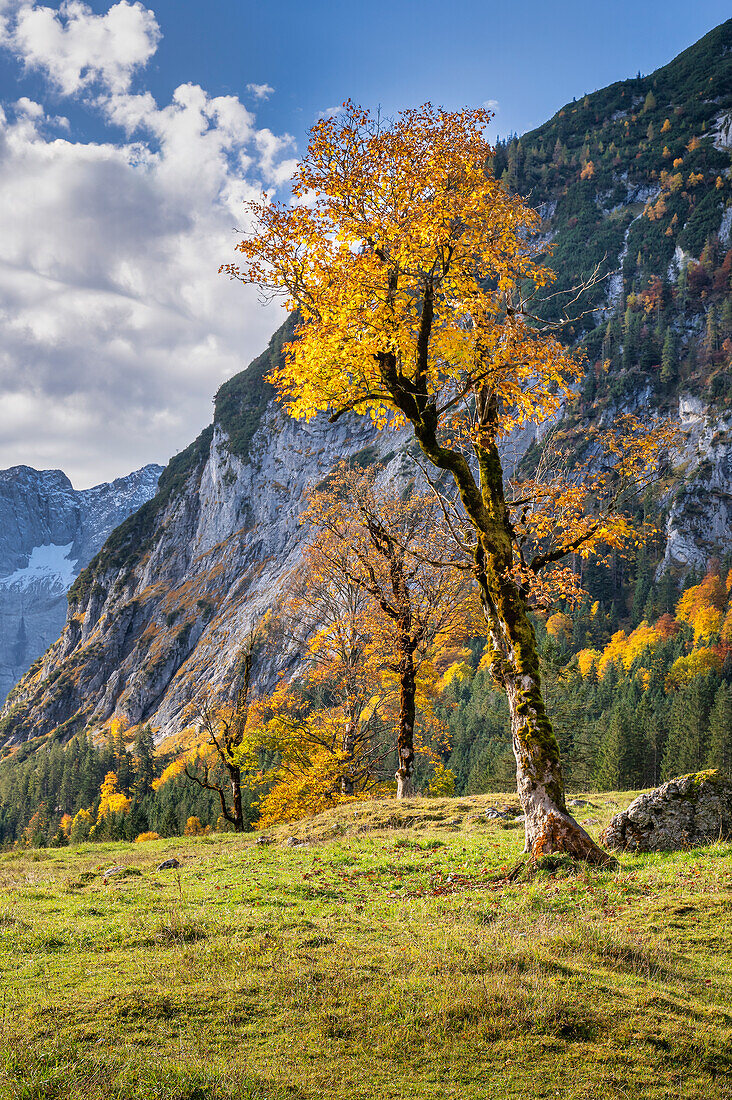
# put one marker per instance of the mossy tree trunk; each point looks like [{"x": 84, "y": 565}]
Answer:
[
  {"x": 549, "y": 827},
  {"x": 407, "y": 710}
]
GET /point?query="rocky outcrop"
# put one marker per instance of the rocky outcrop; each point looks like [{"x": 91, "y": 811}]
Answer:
[
  {"x": 699, "y": 522},
  {"x": 49, "y": 532},
  {"x": 683, "y": 813}
]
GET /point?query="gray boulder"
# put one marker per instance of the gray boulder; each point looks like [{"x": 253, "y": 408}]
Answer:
[
  {"x": 685, "y": 812},
  {"x": 168, "y": 865}
]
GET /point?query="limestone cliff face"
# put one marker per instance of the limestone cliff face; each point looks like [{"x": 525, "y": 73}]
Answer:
[
  {"x": 161, "y": 610},
  {"x": 700, "y": 517},
  {"x": 49, "y": 531}
]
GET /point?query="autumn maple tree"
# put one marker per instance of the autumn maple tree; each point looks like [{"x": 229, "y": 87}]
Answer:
[
  {"x": 333, "y": 712},
  {"x": 419, "y": 604},
  {"x": 417, "y": 278}
]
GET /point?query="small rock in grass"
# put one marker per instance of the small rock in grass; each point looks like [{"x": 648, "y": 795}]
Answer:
[
  {"x": 168, "y": 865},
  {"x": 263, "y": 840},
  {"x": 577, "y": 802},
  {"x": 293, "y": 842},
  {"x": 112, "y": 871}
]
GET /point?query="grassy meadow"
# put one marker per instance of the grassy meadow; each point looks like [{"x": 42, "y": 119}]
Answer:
[{"x": 384, "y": 957}]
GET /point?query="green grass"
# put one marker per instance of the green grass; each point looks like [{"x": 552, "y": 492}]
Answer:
[{"x": 382, "y": 958}]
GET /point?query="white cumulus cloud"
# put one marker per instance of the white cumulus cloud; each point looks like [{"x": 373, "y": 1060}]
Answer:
[
  {"x": 115, "y": 328},
  {"x": 75, "y": 48},
  {"x": 260, "y": 91}
]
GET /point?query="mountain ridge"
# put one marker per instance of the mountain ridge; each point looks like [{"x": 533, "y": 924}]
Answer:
[{"x": 162, "y": 606}]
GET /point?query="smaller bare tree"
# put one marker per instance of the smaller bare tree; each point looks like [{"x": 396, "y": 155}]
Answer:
[{"x": 224, "y": 727}]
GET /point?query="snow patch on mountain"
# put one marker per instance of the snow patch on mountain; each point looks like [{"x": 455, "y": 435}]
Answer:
[
  {"x": 49, "y": 564},
  {"x": 48, "y": 532}
]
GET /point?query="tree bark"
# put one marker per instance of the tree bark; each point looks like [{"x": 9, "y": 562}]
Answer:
[
  {"x": 349, "y": 747},
  {"x": 548, "y": 827},
  {"x": 405, "y": 738},
  {"x": 235, "y": 779}
]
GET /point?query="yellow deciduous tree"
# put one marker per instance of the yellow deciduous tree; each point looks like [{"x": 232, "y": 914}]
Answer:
[
  {"x": 417, "y": 282},
  {"x": 331, "y": 719},
  {"x": 112, "y": 800},
  {"x": 421, "y": 603},
  {"x": 81, "y": 826}
]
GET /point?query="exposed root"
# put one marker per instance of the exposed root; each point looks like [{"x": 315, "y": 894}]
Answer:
[{"x": 560, "y": 835}]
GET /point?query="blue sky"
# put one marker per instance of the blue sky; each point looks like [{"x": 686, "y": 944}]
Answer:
[{"x": 130, "y": 135}]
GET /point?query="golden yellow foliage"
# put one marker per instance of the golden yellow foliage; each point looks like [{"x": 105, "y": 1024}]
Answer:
[
  {"x": 711, "y": 593},
  {"x": 307, "y": 788},
  {"x": 141, "y": 838},
  {"x": 726, "y": 630},
  {"x": 442, "y": 783},
  {"x": 586, "y": 658},
  {"x": 707, "y": 623},
  {"x": 458, "y": 670},
  {"x": 194, "y": 828},
  {"x": 112, "y": 801},
  {"x": 81, "y": 826},
  {"x": 119, "y": 725},
  {"x": 622, "y": 649},
  {"x": 385, "y": 195},
  {"x": 559, "y": 625},
  {"x": 684, "y": 669},
  {"x": 173, "y": 770}
]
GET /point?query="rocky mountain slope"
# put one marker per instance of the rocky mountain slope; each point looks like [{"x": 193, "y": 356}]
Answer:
[
  {"x": 158, "y": 611},
  {"x": 49, "y": 532},
  {"x": 635, "y": 177}
]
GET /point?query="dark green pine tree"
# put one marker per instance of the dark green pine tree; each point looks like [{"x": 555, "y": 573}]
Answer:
[
  {"x": 669, "y": 359},
  {"x": 144, "y": 762},
  {"x": 642, "y": 587},
  {"x": 618, "y": 750},
  {"x": 687, "y": 745},
  {"x": 719, "y": 754}
]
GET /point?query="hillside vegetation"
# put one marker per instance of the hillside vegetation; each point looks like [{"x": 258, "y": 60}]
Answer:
[
  {"x": 633, "y": 705},
  {"x": 635, "y": 178},
  {"x": 383, "y": 957}
]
